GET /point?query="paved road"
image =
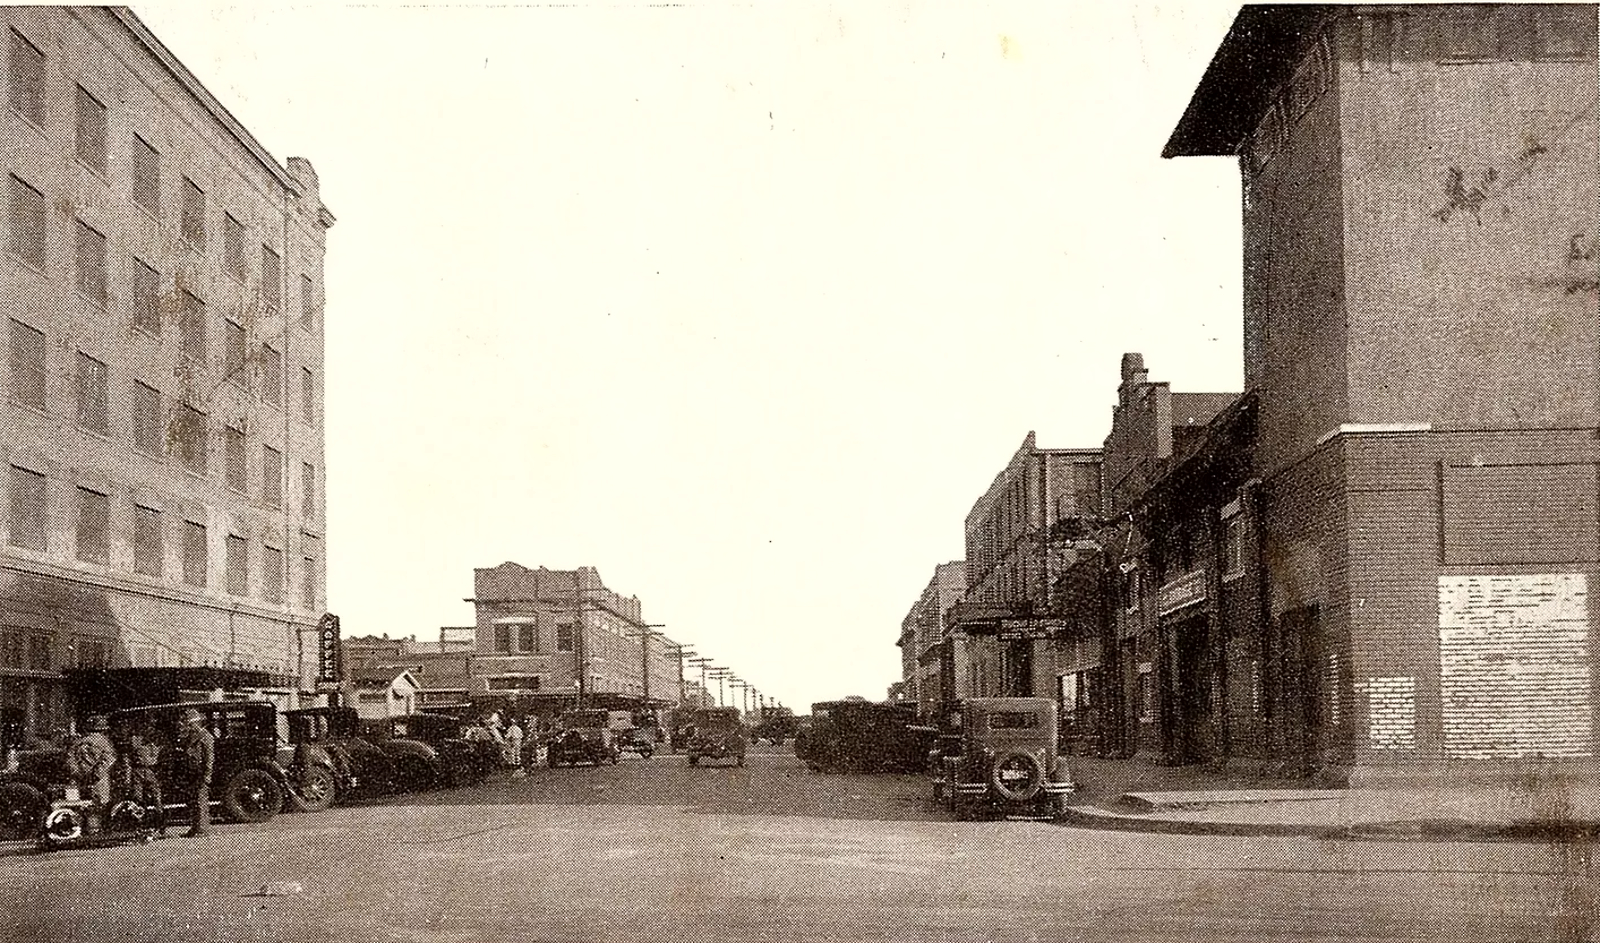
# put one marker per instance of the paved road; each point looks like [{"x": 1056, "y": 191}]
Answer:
[{"x": 656, "y": 851}]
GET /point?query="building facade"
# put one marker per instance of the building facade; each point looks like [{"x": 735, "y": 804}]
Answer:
[
  {"x": 1421, "y": 205},
  {"x": 163, "y": 426},
  {"x": 927, "y": 646},
  {"x": 560, "y": 637}
]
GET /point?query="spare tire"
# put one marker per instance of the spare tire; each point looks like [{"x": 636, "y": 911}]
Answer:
[{"x": 1016, "y": 776}]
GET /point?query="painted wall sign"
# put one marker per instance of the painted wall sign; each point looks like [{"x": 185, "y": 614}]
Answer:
[{"x": 1186, "y": 590}]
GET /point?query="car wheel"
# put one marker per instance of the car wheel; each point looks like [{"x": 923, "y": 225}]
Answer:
[
  {"x": 64, "y": 825},
  {"x": 313, "y": 792},
  {"x": 694, "y": 760},
  {"x": 1020, "y": 764},
  {"x": 22, "y": 807},
  {"x": 252, "y": 795},
  {"x": 647, "y": 753}
]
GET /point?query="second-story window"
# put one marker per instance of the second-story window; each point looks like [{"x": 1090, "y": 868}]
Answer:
[
  {"x": 189, "y": 438},
  {"x": 147, "y": 432},
  {"x": 146, "y": 176},
  {"x": 238, "y": 565},
  {"x": 29, "y": 506},
  {"x": 27, "y": 364},
  {"x": 148, "y": 547},
  {"x": 272, "y": 574},
  {"x": 196, "y": 553},
  {"x": 92, "y": 408},
  {"x": 89, "y": 138},
  {"x": 94, "y": 526}
]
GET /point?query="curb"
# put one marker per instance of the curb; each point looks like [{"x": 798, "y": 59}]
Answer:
[{"x": 1524, "y": 831}]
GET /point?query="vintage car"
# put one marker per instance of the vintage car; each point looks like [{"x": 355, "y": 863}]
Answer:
[
  {"x": 582, "y": 736},
  {"x": 776, "y": 725},
  {"x": 25, "y": 792},
  {"x": 998, "y": 755},
  {"x": 246, "y": 780},
  {"x": 855, "y": 735},
  {"x": 464, "y": 761},
  {"x": 380, "y": 764},
  {"x": 716, "y": 733}
]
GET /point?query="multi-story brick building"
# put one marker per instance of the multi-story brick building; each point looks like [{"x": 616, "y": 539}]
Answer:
[
  {"x": 552, "y": 638},
  {"x": 929, "y": 651},
  {"x": 163, "y": 431},
  {"x": 1009, "y": 613},
  {"x": 1421, "y": 202}
]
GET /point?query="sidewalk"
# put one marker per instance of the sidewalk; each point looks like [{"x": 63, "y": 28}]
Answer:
[{"x": 1136, "y": 794}]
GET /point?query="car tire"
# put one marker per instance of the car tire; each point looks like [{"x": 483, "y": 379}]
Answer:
[
  {"x": 64, "y": 824},
  {"x": 252, "y": 795},
  {"x": 647, "y": 753},
  {"x": 314, "y": 791},
  {"x": 694, "y": 760},
  {"x": 22, "y": 808}
]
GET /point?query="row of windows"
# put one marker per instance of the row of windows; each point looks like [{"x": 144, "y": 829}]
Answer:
[
  {"x": 91, "y": 145},
  {"x": 28, "y": 519},
  {"x": 186, "y": 432},
  {"x": 526, "y": 635}
]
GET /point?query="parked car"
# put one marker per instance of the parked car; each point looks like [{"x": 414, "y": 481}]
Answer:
[
  {"x": 463, "y": 761},
  {"x": 582, "y": 736},
  {"x": 776, "y": 725},
  {"x": 246, "y": 780},
  {"x": 25, "y": 792},
  {"x": 382, "y": 764},
  {"x": 716, "y": 733},
  {"x": 999, "y": 756},
  {"x": 855, "y": 735}
]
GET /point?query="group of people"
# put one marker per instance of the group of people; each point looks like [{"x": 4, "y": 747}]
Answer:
[
  {"x": 512, "y": 736},
  {"x": 135, "y": 768}
]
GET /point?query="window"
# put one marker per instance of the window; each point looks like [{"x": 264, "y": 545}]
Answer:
[
  {"x": 308, "y": 303},
  {"x": 147, "y": 543},
  {"x": 308, "y": 394},
  {"x": 272, "y": 574},
  {"x": 566, "y": 637},
  {"x": 195, "y": 554},
  {"x": 92, "y": 413},
  {"x": 308, "y": 582},
  {"x": 26, "y": 74},
  {"x": 271, "y": 375},
  {"x": 40, "y": 655},
  {"x": 27, "y": 365},
  {"x": 146, "y": 298},
  {"x": 90, "y": 131},
  {"x": 94, "y": 526},
  {"x": 146, "y": 176},
  {"x": 528, "y": 637},
  {"x": 91, "y": 258},
  {"x": 1233, "y": 547},
  {"x": 271, "y": 476},
  {"x": 238, "y": 566},
  {"x": 1132, "y": 590},
  {"x": 233, "y": 453},
  {"x": 193, "y": 222},
  {"x": 308, "y": 490},
  {"x": 28, "y": 508},
  {"x": 192, "y": 329},
  {"x": 233, "y": 344},
  {"x": 502, "y": 638},
  {"x": 27, "y": 223},
  {"x": 271, "y": 278},
  {"x": 189, "y": 437},
  {"x": 233, "y": 246},
  {"x": 147, "y": 435}
]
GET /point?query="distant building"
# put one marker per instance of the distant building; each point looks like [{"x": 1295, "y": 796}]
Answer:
[
  {"x": 1422, "y": 266},
  {"x": 163, "y": 419},
  {"x": 929, "y": 651}
]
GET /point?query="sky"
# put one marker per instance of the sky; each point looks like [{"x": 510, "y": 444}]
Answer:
[{"x": 744, "y": 305}]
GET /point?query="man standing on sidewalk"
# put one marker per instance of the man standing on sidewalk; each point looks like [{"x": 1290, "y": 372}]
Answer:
[{"x": 196, "y": 755}]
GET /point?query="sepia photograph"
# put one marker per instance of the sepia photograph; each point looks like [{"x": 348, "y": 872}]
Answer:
[{"x": 625, "y": 472}]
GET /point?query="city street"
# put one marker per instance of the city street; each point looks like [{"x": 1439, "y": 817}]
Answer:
[{"x": 653, "y": 849}]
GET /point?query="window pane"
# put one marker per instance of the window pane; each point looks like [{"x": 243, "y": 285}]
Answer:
[
  {"x": 271, "y": 476},
  {"x": 26, "y": 78},
  {"x": 192, "y": 326},
  {"x": 308, "y": 395},
  {"x": 233, "y": 351},
  {"x": 27, "y": 365},
  {"x": 233, "y": 246},
  {"x": 308, "y": 490},
  {"x": 194, "y": 214},
  {"x": 272, "y": 574},
  {"x": 91, "y": 393},
  {"x": 528, "y": 637},
  {"x": 194, "y": 553},
  {"x": 94, "y": 524},
  {"x": 147, "y": 542},
  {"x": 238, "y": 566},
  {"x": 27, "y": 223},
  {"x": 271, "y": 286},
  {"x": 147, "y": 435},
  {"x": 308, "y": 303},
  {"x": 28, "y": 508},
  {"x": 91, "y": 130},
  {"x": 189, "y": 435},
  {"x": 234, "y": 447},
  {"x": 146, "y": 175},
  {"x": 308, "y": 582},
  {"x": 146, "y": 297},
  {"x": 271, "y": 375},
  {"x": 91, "y": 259}
]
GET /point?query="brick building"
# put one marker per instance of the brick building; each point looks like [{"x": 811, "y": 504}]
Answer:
[
  {"x": 163, "y": 430},
  {"x": 552, "y": 638},
  {"x": 929, "y": 651},
  {"x": 1421, "y": 206}
]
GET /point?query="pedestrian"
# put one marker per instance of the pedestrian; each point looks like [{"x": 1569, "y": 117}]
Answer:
[
  {"x": 514, "y": 748},
  {"x": 196, "y": 755},
  {"x": 90, "y": 761},
  {"x": 144, "y": 779}
]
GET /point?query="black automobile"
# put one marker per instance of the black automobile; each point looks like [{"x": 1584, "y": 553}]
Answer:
[
  {"x": 855, "y": 735},
  {"x": 998, "y": 755},
  {"x": 582, "y": 736},
  {"x": 716, "y": 733},
  {"x": 25, "y": 793},
  {"x": 246, "y": 780},
  {"x": 462, "y": 761},
  {"x": 380, "y": 764}
]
